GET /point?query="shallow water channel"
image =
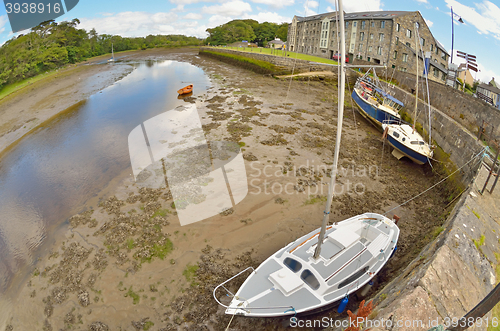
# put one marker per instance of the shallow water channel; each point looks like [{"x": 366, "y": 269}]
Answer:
[{"x": 52, "y": 173}]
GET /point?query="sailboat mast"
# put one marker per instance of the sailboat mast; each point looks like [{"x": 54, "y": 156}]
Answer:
[
  {"x": 416, "y": 76},
  {"x": 340, "y": 117}
]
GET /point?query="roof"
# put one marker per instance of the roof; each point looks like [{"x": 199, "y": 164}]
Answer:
[
  {"x": 489, "y": 88},
  {"x": 280, "y": 42},
  {"x": 440, "y": 46},
  {"x": 388, "y": 96},
  {"x": 383, "y": 14}
]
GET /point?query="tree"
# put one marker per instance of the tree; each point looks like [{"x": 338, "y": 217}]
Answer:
[
  {"x": 265, "y": 32},
  {"x": 282, "y": 31}
]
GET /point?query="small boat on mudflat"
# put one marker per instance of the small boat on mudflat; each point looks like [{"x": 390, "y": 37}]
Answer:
[
  {"x": 186, "y": 90},
  {"x": 406, "y": 141},
  {"x": 374, "y": 103}
]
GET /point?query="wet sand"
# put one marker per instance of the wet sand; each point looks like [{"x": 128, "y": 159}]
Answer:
[{"x": 127, "y": 264}]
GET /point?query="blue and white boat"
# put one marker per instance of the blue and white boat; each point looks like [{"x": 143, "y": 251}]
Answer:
[
  {"x": 374, "y": 103},
  {"x": 407, "y": 142}
]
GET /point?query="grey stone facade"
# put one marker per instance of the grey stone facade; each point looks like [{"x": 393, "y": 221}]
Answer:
[{"x": 383, "y": 37}]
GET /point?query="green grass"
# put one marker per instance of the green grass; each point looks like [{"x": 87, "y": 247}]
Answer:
[
  {"x": 437, "y": 231},
  {"x": 190, "y": 273},
  {"x": 148, "y": 325},
  {"x": 479, "y": 242},
  {"x": 161, "y": 212},
  {"x": 135, "y": 297},
  {"x": 291, "y": 55},
  {"x": 262, "y": 64},
  {"x": 162, "y": 251},
  {"x": 130, "y": 243},
  {"x": 315, "y": 199},
  {"x": 6, "y": 90}
]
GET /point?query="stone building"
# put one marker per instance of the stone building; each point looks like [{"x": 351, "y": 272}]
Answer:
[
  {"x": 381, "y": 37},
  {"x": 465, "y": 75},
  {"x": 489, "y": 93}
]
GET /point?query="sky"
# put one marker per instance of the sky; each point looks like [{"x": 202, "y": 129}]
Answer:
[{"x": 479, "y": 35}]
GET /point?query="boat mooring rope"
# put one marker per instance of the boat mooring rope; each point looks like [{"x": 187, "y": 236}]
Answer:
[
  {"x": 227, "y": 328},
  {"x": 442, "y": 180}
]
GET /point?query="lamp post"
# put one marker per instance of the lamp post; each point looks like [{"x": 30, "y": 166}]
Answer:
[{"x": 452, "y": 30}]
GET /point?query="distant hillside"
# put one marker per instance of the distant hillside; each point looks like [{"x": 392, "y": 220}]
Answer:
[
  {"x": 51, "y": 45},
  {"x": 249, "y": 30}
]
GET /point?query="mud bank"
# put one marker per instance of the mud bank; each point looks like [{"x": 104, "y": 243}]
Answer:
[{"x": 127, "y": 264}]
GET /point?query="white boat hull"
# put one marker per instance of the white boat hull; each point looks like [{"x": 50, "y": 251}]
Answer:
[{"x": 291, "y": 282}]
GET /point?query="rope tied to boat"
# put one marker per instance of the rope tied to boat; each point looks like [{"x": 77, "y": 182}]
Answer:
[{"x": 291, "y": 309}]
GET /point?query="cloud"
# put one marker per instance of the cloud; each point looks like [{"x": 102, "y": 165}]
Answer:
[
  {"x": 422, "y": 1},
  {"x": 231, "y": 8},
  {"x": 217, "y": 20},
  {"x": 187, "y": 2},
  {"x": 484, "y": 17},
  {"x": 308, "y": 5},
  {"x": 275, "y": 3},
  {"x": 429, "y": 23},
  {"x": 485, "y": 75},
  {"x": 268, "y": 17},
  {"x": 178, "y": 8},
  {"x": 3, "y": 22},
  {"x": 360, "y": 5},
  {"x": 132, "y": 24},
  {"x": 193, "y": 16}
]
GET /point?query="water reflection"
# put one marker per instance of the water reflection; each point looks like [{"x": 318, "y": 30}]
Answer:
[{"x": 50, "y": 174}]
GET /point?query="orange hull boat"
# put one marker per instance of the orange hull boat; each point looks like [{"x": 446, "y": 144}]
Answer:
[{"x": 186, "y": 90}]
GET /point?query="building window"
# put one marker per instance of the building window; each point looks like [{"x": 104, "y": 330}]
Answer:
[
  {"x": 382, "y": 24},
  {"x": 381, "y": 37},
  {"x": 360, "y": 47},
  {"x": 379, "y": 50},
  {"x": 395, "y": 55},
  {"x": 408, "y": 44},
  {"x": 408, "y": 33},
  {"x": 363, "y": 24},
  {"x": 432, "y": 47},
  {"x": 373, "y": 24},
  {"x": 346, "y": 25},
  {"x": 443, "y": 56},
  {"x": 361, "y": 36},
  {"x": 398, "y": 27},
  {"x": 369, "y": 49},
  {"x": 354, "y": 34},
  {"x": 422, "y": 41},
  {"x": 371, "y": 36},
  {"x": 355, "y": 24},
  {"x": 397, "y": 40},
  {"x": 435, "y": 72},
  {"x": 405, "y": 57},
  {"x": 368, "y": 59}
]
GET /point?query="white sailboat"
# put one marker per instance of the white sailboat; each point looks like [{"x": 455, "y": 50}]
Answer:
[
  {"x": 405, "y": 140},
  {"x": 321, "y": 267},
  {"x": 112, "y": 55}
]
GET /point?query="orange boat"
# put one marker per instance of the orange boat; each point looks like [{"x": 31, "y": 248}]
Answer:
[{"x": 186, "y": 90}]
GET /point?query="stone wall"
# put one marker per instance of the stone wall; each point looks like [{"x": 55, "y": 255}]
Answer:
[
  {"x": 454, "y": 272},
  {"x": 467, "y": 110},
  {"x": 458, "y": 142},
  {"x": 288, "y": 62}
]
